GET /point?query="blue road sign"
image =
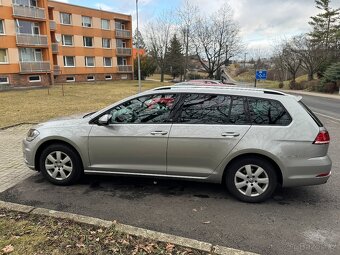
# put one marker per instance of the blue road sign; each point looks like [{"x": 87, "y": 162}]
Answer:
[{"x": 261, "y": 74}]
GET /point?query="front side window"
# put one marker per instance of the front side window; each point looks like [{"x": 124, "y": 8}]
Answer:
[
  {"x": 67, "y": 40},
  {"x": 88, "y": 41},
  {"x": 106, "y": 43},
  {"x": 3, "y": 56},
  {"x": 69, "y": 61},
  {"x": 105, "y": 24},
  {"x": 154, "y": 109},
  {"x": 66, "y": 18},
  {"x": 89, "y": 61},
  {"x": 205, "y": 109},
  {"x": 107, "y": 62},
  {"x": 2, "y": 26},
  {"x": 268, "y": 112},
  {"x": 87, "y": 21}
]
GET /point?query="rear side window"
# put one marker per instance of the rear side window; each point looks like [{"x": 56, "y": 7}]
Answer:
[
  {"x": 205, "y": 109},
  {"x": 268, "y": 112},
  {"x": 316, "y": 119},
  {"x": 238, "y": 111}
]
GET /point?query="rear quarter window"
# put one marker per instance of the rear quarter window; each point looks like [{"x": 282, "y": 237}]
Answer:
[{"x": 268, "y": 112}]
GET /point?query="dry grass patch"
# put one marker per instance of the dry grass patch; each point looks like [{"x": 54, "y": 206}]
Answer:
[{"x": 39, "y": 105}]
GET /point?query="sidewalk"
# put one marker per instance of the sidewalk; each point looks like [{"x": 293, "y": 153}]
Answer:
[
  {"x": 307, "y": 93},
  {"x": 12, "y": 168}
]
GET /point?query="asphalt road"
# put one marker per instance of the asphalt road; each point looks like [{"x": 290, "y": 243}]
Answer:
[
  {"x": 325, "y": 106},
  {"x": 303, "y": 220}
]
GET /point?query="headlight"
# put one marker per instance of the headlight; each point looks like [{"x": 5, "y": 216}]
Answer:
[{"x": 32, "y": 134}]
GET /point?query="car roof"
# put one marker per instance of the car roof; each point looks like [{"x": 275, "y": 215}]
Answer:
[{"x": 241, "y": 91}]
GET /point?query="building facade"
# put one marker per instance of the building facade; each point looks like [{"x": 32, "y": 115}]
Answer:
[{"x": 45, "y": 42}]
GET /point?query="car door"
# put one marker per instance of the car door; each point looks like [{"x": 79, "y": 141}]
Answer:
[
  {"x": 207, "y": 128},
  {"x": 135, "y": 141}
]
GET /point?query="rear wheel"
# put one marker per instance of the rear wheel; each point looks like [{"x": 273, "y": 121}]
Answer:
[
  {"x": 60, "y": 164},
  {"x": 252, "y": 179}
]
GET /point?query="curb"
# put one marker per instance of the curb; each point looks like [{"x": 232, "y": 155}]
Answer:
[
  {"x": 308, "y": 93},
  {"x": 145, "y": 233}
]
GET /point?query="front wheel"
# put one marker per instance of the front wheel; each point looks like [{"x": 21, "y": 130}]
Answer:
[
  {"x": 60, "y": 164},
  {"x": 251, "y": 179}
]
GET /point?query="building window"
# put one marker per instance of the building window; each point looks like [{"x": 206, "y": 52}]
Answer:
[
  {"x": 108, "y": 77},
  {"x": 107, "y": 62},
  {"x": 65, "y": 18},
  {"x": 91, "y": 78},
  {"x": 27, "y": 27},
  {"x": 106, "y": 43},
  {"x": 3, "y": 56},
  {"x": 120, "y": 25},
  {"x": 121, "y": 43},
  {"x": 105, "y": 24},
  {"x": 70, "y": 79},
  {"x": 87, "y": 21},
  {"x": 122, "y": 61},
  {"x": 89, "y": 61},
  {"x": 67, "y": 40},
  {"x": 4, "y": 80},
  {"x": 35, "y": 78},
  {"x": 88, "y": 41},
  {"x": 69, "y": 61},
  {"x": 28, "y": 3},
  {"x": 2, "y": 27},
  {"x": 30, "y": 55}
]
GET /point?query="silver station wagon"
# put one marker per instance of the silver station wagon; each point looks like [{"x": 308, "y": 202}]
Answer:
[{"x": 250, "y": 140}]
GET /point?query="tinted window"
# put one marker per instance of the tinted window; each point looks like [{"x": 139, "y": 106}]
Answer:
[
  {"x": 238, "y": 112},
  {"x": 205, "y": 109},
  {"x": 148, "y": 109},
  {"x": 268, "y": 112}
]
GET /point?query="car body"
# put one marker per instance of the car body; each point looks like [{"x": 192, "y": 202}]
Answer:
[{"x": 250, "y": 139}]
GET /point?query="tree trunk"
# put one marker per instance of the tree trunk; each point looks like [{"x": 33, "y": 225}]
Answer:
[
  {"x": 162, "y": 75},
  {"x": 211, "y": 75},
  {"x": 310, "y": 76}
]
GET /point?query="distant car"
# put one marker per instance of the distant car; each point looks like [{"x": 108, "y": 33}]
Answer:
[{"x": 251, "y": 140}]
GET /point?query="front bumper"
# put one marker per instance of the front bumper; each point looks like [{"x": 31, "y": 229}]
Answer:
[
  {"x": 305, "y": 172},
  {"x": 28, "y": 154}
]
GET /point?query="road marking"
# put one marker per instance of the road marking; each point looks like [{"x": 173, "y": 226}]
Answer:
[{"x": 327, "y": 116}]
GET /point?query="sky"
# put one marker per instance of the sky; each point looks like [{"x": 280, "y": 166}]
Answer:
[{"x": 262, "y": 22}]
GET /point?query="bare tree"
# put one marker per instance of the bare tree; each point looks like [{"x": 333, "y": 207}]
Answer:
[
  {"x": 187, "y": 16},
  {"x": 311, "y": 54},
  {"x": 216, "y": 39},
  {"x": 159, "y": 34}
]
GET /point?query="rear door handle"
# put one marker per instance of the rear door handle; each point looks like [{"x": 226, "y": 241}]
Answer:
[
  {"x": 230, "y": 134},
  {"x": 159, "y": 133}
]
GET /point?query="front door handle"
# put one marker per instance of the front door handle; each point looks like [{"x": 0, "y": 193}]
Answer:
[
  {"x": 159, "y": 133},
  {"x": 230, "y": 134}
]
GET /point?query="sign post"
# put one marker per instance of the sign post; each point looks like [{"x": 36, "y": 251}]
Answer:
[{"x": 260, "y": 75}]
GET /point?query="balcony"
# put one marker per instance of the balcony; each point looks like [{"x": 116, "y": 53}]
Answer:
[
  {"x": 121, "y": 33},
  {"x": 55, "y": 48},
  {"x": 124, "y": 51},
  {"x": 53, "y": 25},
  {"x": 125, "y": 69},
  {"x": 56, "y": 70},
  {"x": 28, "y": 12},
  {"x": 35, "y": 67},
  {"x": 32, "y": 40}
]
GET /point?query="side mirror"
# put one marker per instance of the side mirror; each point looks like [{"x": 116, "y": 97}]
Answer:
[{"x": 105, "y": 119}]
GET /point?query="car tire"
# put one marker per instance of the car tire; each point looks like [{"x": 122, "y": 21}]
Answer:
[
  {"x": 251, "y": 179},
  {"x": 60, "y": 164}
]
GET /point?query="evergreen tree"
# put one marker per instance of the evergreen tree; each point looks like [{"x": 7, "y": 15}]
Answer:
[
  {"x": 326, "y": 25},
  {"x": 147, "y": 66},
  {"x": 175, "y": 58},
  {"x": 142, "y": 44}
]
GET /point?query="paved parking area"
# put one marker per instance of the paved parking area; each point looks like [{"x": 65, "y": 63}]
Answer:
[
  {"x": 303, "y": 220},
  {"x": 12, "y": 167}
]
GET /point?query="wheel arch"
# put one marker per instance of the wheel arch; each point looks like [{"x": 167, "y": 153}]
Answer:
[
  {"x": 47, "y": 143},
  {"x": 277, "y": 168}
]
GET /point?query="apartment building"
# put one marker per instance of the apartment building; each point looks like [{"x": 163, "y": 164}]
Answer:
[{"x": 45, "y": 42}]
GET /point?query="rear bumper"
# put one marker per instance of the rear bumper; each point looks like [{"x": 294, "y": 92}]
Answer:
[{"x": 305, "y": 172}]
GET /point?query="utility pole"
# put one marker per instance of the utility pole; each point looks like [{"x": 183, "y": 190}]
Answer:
[
  {"x": 186, "y": 36},
  {"x": 138, "y": 53}
]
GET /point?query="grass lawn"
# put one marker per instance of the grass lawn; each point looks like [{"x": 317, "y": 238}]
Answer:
[
  {"x": 22, "y": 233},
  {"x": 37, "y": 105}
]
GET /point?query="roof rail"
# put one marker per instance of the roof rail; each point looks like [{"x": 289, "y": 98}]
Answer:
[{"x": 265, "y": 91}]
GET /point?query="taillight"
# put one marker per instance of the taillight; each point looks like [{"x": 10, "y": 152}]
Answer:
[{"x": 322, "y": 137}]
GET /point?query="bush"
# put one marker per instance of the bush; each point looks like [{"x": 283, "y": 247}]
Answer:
[{"x": 281, "y": 84}]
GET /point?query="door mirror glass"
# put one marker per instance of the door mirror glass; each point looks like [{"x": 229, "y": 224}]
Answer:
[{"x": 105, "y": 119}]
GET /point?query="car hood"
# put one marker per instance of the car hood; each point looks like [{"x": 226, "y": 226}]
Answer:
[{"x": 71, "y": 120}]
